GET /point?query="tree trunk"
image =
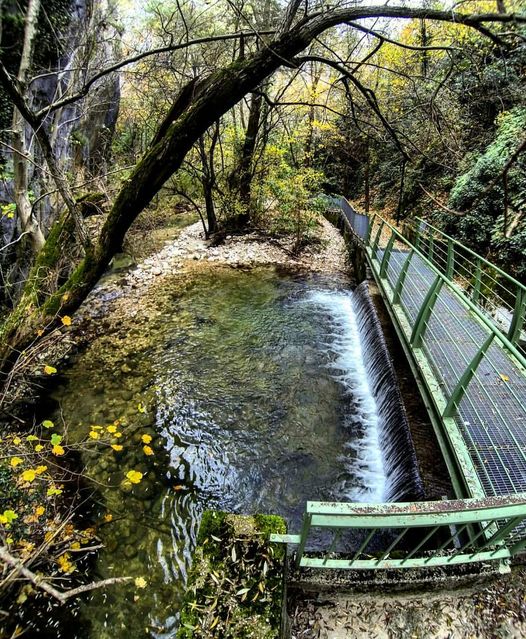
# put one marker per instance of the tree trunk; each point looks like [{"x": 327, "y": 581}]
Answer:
[
  {"x": 27, "y": 221},
  {"x": 246, "y": 161}
]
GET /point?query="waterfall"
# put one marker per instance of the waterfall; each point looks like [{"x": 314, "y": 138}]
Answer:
[{"x": 380, "y": 456}]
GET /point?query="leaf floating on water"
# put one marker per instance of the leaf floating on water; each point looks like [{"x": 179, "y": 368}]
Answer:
[
  {"x": 134, "y": 476},
  {"x": 140, "y": 582}
]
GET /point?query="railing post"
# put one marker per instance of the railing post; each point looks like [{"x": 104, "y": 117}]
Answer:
[
  {"x": 377, "y": 238},
  {"x": 417, "y": 234},
  {"x": 424, "y": 313},
  {"x": 401, "y": 278},
  {"x": 478, "y": 281},
  {"x": 467, "y": 375},
  {"x": 367, "y": 237},
  {"x": 307, "y": 519},
  {"x": 387, "y": 255},
  {"x": 519, "y": 311},
  {"x": 431, "y": 247},
  {"x": 450, "y": 265}
]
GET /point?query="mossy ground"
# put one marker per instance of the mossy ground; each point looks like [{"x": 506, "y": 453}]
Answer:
[{"x": 235, "y": 586}]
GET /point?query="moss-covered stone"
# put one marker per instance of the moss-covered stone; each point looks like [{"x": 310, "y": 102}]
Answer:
[{"x": 235, "y": 586}]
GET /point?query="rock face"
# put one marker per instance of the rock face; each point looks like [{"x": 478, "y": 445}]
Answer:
[
  {"x": 82, "y": 39},
  {"x": 76, "y": 39}
]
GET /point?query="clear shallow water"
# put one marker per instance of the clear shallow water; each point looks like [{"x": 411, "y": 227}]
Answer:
[{"x": 256, "y": 399}]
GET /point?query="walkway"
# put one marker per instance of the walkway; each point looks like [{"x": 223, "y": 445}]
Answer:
[{"x": 475, "y": 375}]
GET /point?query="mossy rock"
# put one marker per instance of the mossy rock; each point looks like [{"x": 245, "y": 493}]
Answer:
[{"x": 235, "y": 585}]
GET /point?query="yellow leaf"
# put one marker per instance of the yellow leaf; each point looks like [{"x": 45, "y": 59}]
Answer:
[
  {"x": 53, "y": 491},
  {"x": 108, "y": 517},
  {"x": 118, "y": 435},
  {"x": 65, "y": 564},
  {"x": 29, "y": 475},
  {"x": 47, "y": 423},
  {"x": 58, "y": 450},
  {"x": 40, "y": 469},
  {"x": 141, "y": 408},
  {"x": 9, "y": 541},
  {"x": 504, "y": 378},
  {"x": 146, "y": 439},
  {"x": 97, "y": 428},
  {"x": 134, "y": 476},
  {"x": 39, "y": 447},
  {"x": 49, "y": 370},
  {"x": 15, "y": 461},
  {"x": 65, "y": 297},
  {"x": 17, "y": 441},
  {"x": 148, "y": 451},
  {"x": 111, "y": 429},
  {"x": 40, "y": 332},
  {"x": 178, "y": 487},
  {"x": 141, "y": 582},
  {"x": 39, "y": 511},
  {"x": 94, "y": 434},
  {"x": 66, "y": 320},
  {"x": 117, "y": 447}
]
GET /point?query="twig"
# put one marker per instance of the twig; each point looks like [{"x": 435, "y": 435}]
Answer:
[
  {"x": 442, "y": 206},
  {"x": 39, "y": 582}
]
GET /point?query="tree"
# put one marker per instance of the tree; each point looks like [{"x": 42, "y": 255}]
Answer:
[{"x": 193, "y": 112}]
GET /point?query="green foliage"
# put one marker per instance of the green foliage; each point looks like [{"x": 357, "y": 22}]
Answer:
[
  {"x": 293, "y": 209},
  {"x": 484, "y": 226}
]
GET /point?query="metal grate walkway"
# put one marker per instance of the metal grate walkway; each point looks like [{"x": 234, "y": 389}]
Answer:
[{"x": 491, "y": 414}]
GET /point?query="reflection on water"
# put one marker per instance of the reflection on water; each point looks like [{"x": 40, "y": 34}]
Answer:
[{"x": 238, "y": 375}]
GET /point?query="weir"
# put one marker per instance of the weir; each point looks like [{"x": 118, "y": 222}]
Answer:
[
  {"x": 381, "y": 457},
  {"x": 395, "y": 443}
]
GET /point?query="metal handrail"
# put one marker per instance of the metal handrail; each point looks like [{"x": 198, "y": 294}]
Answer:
[
  {"x": 451, "y": 532},
  {"x": 487, "y": 276},
  {"x": 508, "y": 345},
  {"x": 496, "y": 268}
]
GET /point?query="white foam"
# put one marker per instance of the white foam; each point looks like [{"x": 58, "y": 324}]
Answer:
[{"x": 366, "y": 463}]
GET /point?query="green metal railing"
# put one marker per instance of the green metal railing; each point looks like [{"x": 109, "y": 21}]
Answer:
[
  {"x": 423, "y": 535},
  {"x": 495, "y": 292},
  {"x": 472, "y": 376}
]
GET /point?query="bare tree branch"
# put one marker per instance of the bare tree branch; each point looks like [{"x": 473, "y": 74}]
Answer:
[{"x": 140, "y": 56}]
